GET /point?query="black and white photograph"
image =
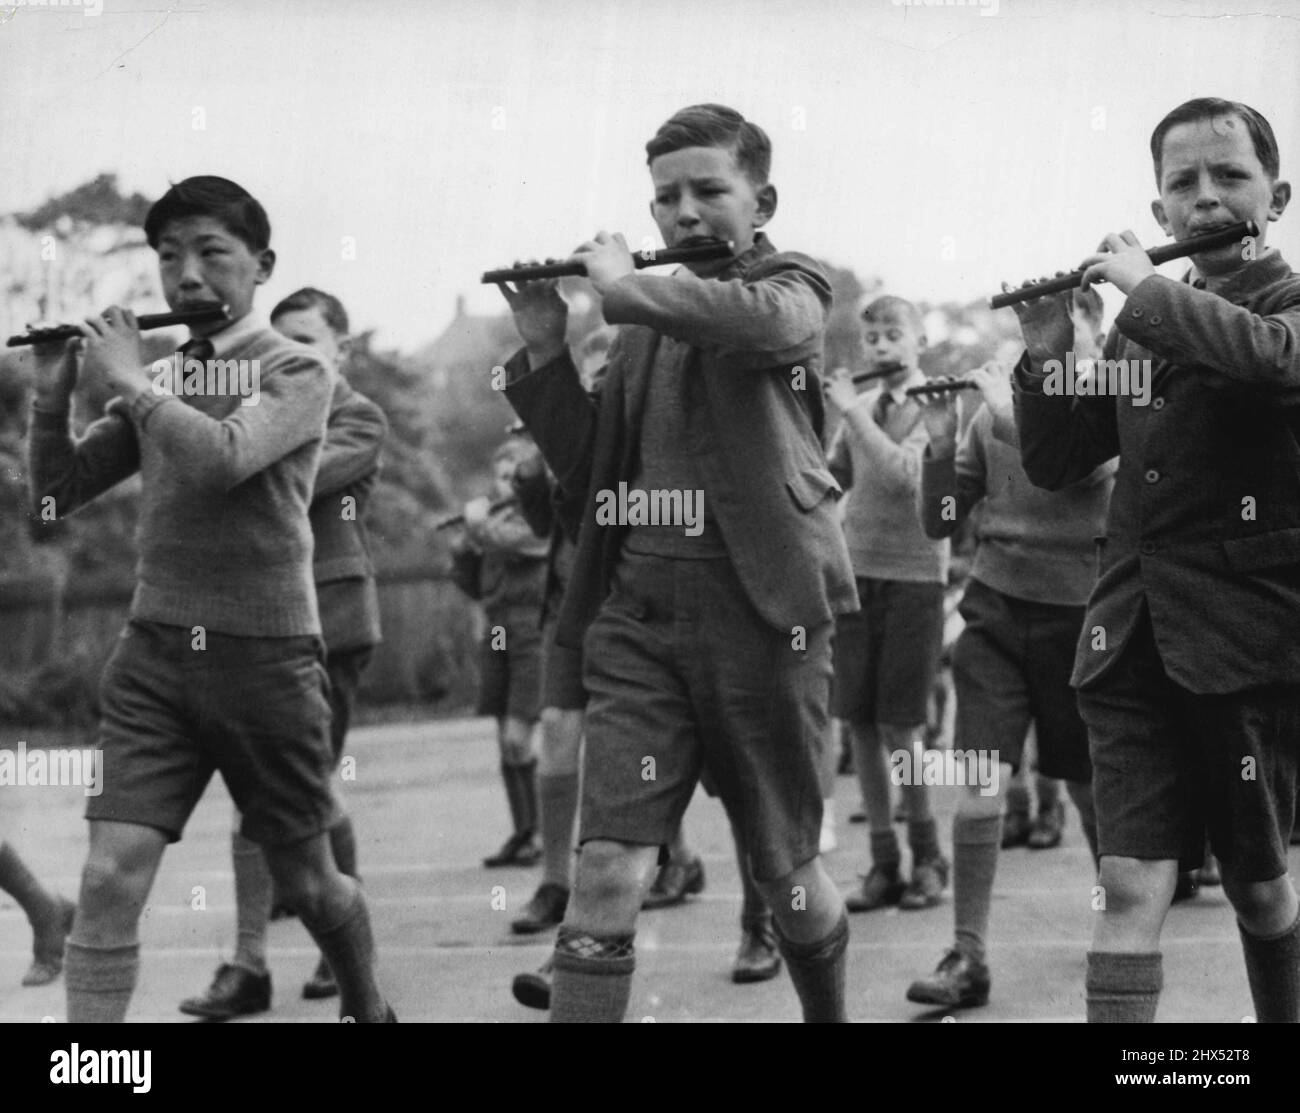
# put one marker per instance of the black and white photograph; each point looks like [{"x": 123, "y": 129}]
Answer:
[{"x": 707, "y": 512}]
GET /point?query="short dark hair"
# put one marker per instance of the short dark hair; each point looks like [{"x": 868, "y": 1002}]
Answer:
[
  {"x": 715, "y": 125},
  {"x": 311, "y": 298},
  {"x": 890, "y": 307},
  {"x": 219, "y": 198},
  {"x": 1210, "y": 108}
]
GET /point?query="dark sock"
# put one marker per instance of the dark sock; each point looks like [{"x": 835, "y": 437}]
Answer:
[
  {"x": 343, "y": 844},
  {"x": 521, "y": 793},
  {"x": 1273, "y": 968},
  {"x": 252, "y": 902},
  {"x": 923, "y": 840},
  {"x": 593, "y": 977},
  {"x": 817, "y": 970},
  {"x": 349, "y": 948},
  {"x": 558, "y": 796},
  {"x": 884, "y": 850},
  {"x": 1122, "y": 987},
  {"x": 975, "y": 844},
  {"x": 99, "y": 982},
  {"x": 1049, "y": 793},
  {"x": 1017, "y": 799},
  {"x": 21, "y": 884},
  {"x": 753, "y": 906}
]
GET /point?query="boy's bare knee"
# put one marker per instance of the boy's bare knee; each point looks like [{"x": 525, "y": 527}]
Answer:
[
  {"x": 1133, "y": 886},
  {"x": 611, "y": 872},
  {"x": 1263, "y": 907}
]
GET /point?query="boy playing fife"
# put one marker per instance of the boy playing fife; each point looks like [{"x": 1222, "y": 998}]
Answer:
[
  {"x": 220, "y": 666},
  {"x": 886, "y": 655},
  {"x": 1188, "y": 667},
  {"x": 709, "y": 647}
]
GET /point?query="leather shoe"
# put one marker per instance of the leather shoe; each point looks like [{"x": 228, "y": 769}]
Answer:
[
  {"x": 545, "y": 910},
  {"x": 534, "y": 990},
  {"x": 958, "y": 981},
  {"x": 929, "y": 879},
  {"x": 520, "y": 849},
  {"x": 881, "y": 887},
  {"x": 234, "y": 992},
  {"x": 758, "y": 959},
  {"x": 1015, "y": 829},
  {"x": 674, "y": 882},
  {"x": 321, "y": 984},
  {"x": 1047, "y": 829}
]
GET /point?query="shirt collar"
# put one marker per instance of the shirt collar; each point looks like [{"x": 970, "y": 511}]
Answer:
[
  {"x": 899, "y": 393},
  {"x": 236, "y": 333},
  {"x": 759, "y": 249},
  {"x": 1260, "y": 272}
]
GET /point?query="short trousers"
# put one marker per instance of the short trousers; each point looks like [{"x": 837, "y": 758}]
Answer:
[
  {"x": 254, "y": 709},
  {"x": 510, "y": 668},
  {"x": 887, "y": 654},
  {"x": 1010, "y": 668},
  {"x": 1170, "y": 765},
  {"x": 684, "y": 675}
]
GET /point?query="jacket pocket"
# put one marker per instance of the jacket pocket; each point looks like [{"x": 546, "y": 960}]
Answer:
[
  {"x": 811, "y": 485},
  {"x": 1274, "y": 549}
]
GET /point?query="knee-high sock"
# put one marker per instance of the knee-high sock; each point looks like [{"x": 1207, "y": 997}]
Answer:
[
  {"x": 1049, "y": 792},
  {"x": 593, "y": 977},
  {"x": 754, "y": 910},
  {"x": 343, "y": 844},
  {"x": 817, "y": 970},
  {"x": 21, "y": 884},
  {"x": 975, "y": 844},
  {"x": 1123, "y": 987},
  {"x": 349, "y": 948},
  {"x": 923, "y": 840},
  {"x": 1018, "y": 796},
  {"x": 1273, "y": 968},
  {"x": 521, "y": 794},
  {"x": 558, "y": 795},
  {"x": 99, "y": 982},
  {"x": 252, "y": 902}
]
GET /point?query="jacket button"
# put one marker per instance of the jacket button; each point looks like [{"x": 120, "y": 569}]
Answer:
[
  {"x": 1148, "y": 547},
  {"x": 1137, "y": 311},
  {"x": 1152, "y": 476},
  {"x": 1158, "y": 404},
  {"x": 1156, "y": 318}
]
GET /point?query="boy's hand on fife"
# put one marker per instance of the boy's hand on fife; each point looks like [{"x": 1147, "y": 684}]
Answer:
[
  {"x": 476, "y": 512},
  {"x": 994, "y": 382},
  {"x": 1119, "y": 260},
  {"x": 1045, "y": 322},
  {"x": 56, "y": 373},
  {"x": 541, "y": 316},
  {"x": 112, "y": 347},
  {"x": 606, "y": 258},
  {"x": 939, "y": 412},
  {"x": 840, "y": 391}
]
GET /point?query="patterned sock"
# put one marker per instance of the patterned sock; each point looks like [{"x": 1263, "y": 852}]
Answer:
[
  {"x": 349, "y": 948},
  {"x": 252, "y": 902},
  {"x": 1273, "y": 968},
  {"x": 99, "y": 982},
  {"x": 975, "y": 844},
  {"x": 343, "y": 843},
  {"x": 558, "y": 795},
  {"x": 1123, "y": 988},
  {"x": 593, "y": 977},
  {"x": 817, "y": 970},
  {"x": 884, "y": 850},
  {"x": 923, "y": 839}
]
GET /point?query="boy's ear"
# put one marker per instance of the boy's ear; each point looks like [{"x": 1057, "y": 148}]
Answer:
[
  {"x": 345, "y": 347},
  {"x": 766, "y": 205},
  {"x": 1158, "y": 211},
  {"x": 1279, "y": 199},
  {"x": 265, "y": 265}
]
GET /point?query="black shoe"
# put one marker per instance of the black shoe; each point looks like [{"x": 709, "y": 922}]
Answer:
[
  {"x": 674, "y": 882},
  {"x": 520, "y": 849},
  {"x": 234, "y": 992},
  {"x": 880, "y": 888},
  {"x": 1015, "y": 829},
  {"x": 1186, "y": 888},
  {"x": 321, "y": 984},
  {"x": 959, "y": 981},
  {"x": 1047, "y": 829},
  {"x": 758, "y": 959},
  {"x": 545, "y": 910},
  {"x": 534, "y": 990},
  {"x": 929, "y": 879}
]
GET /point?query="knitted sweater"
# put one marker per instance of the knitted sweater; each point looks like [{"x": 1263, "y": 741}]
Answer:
[{"x": 223, "y": 537}]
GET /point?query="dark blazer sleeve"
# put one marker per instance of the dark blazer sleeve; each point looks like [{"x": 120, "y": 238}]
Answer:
[{"x": 354, "y": 436}]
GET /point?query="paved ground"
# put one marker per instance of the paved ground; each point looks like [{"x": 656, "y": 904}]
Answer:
[{"x": 428, "y": 806}]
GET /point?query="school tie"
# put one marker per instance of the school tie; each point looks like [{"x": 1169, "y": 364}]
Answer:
[{"x": 199, "y": 348}]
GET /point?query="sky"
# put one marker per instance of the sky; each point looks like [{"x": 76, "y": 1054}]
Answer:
[{"x": 402, "y": 148}]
